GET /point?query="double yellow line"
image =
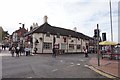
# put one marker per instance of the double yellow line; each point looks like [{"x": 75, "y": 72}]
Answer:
[{"x": 100, "y": 72}]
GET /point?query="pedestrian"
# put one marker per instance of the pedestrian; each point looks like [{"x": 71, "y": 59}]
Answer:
[
  {"x": 2, "y": 46},
  {"x": 17, "y": 51},
  {"x": 85, "y": 51},
  {"x": 54, "y": 53},
  {"x": 12, "y": 51},
  {"x": 27, "y": 51},
  {"x": 35, "y": 50},
  {"x": 20, "y": 51},
  {"x": 23, "y": 50}
]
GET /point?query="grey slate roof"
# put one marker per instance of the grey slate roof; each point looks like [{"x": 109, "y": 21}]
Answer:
[{"x": 44, "y": 28}]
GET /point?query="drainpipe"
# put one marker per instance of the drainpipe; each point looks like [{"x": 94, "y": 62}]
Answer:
[{"x": 42, "y": 42}]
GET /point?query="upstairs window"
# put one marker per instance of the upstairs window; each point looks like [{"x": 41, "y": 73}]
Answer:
[
  {"x": 69, "y": 36},
  {"x": 48, "y": 34},
  {"x": 58, "y": 35}
]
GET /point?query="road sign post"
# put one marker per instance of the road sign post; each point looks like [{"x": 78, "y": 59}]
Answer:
[{"x": 98, "y": 52}]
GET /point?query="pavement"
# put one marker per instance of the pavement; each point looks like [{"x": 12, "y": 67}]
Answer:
[{"x": 111, "y": 67}]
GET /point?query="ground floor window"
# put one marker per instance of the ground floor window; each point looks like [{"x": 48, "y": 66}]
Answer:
[
  {"x": 63, "y": 46},
  {"x": 47, "y": 45},
  {"x": 71, "y": 46},
  {"x": 78, "y": 46}
]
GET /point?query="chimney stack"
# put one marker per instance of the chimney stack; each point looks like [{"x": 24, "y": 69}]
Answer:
[
  {"x": 45, "y": 19},
  {"x": 31, "y": 28},
  {"x": 23, "y": 25}
]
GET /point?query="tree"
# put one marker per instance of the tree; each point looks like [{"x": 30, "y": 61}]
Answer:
[{"x": 5, "y": 34}]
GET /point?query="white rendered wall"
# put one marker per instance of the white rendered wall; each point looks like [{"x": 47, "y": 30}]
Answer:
[{"x": 58, "y": 41}]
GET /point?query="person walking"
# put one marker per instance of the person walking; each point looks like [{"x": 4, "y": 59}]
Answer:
[
  {"x": 27, "y": 51},
  {"x": 54, "y": 53},
  {"x": 85, "y": 51},
  {"x": 12, "y": 51},
  {"x": 17, "y": 51},
  {"x": 35, "y": 50}
]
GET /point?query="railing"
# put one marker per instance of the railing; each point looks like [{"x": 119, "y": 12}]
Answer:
[{"x": 111, "y": 56}]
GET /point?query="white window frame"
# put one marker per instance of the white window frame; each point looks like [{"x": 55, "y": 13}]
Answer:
[
  {"x": 47, "y": 45},
  {"x": 71, "y": 46}
]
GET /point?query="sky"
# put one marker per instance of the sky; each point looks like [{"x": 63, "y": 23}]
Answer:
[{"x": 82, "y": 14}]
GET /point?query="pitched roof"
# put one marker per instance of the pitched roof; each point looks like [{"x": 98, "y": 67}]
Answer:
[
  {"x": 44, "y": 28},
  {"x": 20, "y": 31}
]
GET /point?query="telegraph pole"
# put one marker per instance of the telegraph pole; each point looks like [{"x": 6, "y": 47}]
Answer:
[{"x": 98, "y": 54}]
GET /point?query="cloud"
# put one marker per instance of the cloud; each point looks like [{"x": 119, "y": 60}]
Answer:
[{"x": 83, "y": 14}]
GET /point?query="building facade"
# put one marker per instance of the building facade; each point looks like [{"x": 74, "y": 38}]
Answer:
[
  {"x": 1, "y": 34},
  {"x": 45, "y": 37},
  {"x": 18, "y": 36}
]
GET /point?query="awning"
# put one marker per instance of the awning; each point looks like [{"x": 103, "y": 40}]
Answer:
[{"x": 107, "y": 43}]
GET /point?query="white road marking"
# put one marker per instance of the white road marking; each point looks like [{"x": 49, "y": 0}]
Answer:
[
  {"x": 2, "y": 54},
  {"x": 61, "y": 60},
  {"x": 54, "y": 70},
  {"x": 86, "y": 65},
  {"x": 81, "y": 60},
  {"x": 78, "y": 64},
  {"x": 29, "y": 77},
  {"x": 71, "y": 63}
]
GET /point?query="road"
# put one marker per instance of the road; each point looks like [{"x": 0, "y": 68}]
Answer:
[{"x": 45, "y": 66}]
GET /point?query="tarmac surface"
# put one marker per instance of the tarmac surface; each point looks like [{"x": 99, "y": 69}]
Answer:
[
  {"x": 63, "y": 66},
  {"x": 46, "y": 66}
]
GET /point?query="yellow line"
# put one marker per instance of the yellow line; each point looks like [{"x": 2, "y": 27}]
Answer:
[{"x": 102, "y": 73}]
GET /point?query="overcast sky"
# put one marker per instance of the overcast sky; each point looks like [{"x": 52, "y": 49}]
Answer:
[{"x": 82, "y": 14}]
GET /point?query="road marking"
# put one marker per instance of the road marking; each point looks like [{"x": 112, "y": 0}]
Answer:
[
  {"x": 86, "y": 65},
  {"x": 81, "y": 60},
  {"x": 29, "y": 77},
  {"x": 78, "y": 64},
  {"x": 1, "y": 54},
  {"x": 100, "y": 72},
  {"x": 61, "y": 60},
  {"x": 71, "y": 63},
  {"x": 54, "y": 70}
]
